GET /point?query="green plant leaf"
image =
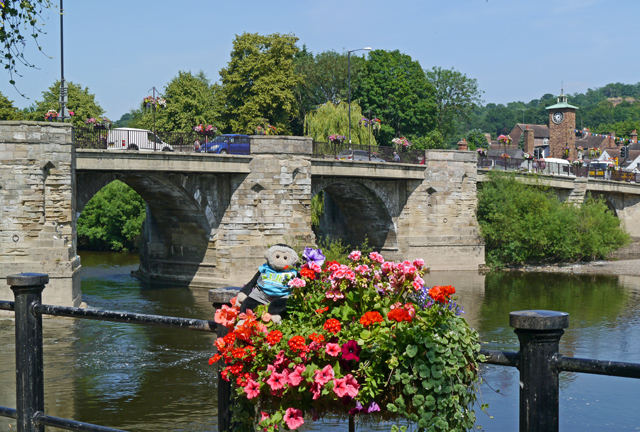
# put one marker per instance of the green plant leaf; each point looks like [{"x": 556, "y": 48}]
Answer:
[{"x": 411, "y": 350}]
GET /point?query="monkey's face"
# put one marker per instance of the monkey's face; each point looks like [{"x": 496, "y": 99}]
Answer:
[{"x": 281, "y": 258}]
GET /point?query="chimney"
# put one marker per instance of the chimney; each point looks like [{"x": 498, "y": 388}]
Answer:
[
  {"x": 529, "y": 140},
  {"x": 462, "y": 145},
  {"x": 634, "y": 137},
  {"x": 612, "y": 140}
]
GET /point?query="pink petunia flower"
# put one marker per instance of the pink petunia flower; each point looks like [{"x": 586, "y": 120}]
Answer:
[
  {"x": 334, "y": 294},
  {"x": 347, "y": 386},
  {"x": 280, "y": 359},
  {"x": 375, "y": 256},
  {"x": 252, "y": 389},
  {"x": 264, "y": 417},
  {"x": 355, "y": 255},
  {"x": 316, "y": 390},
  {"x": 277, "y": 381},
  {"x": 333, "y": 349},
  {"x": 324, "y": 376},
  {"x": 295, "y": 377},
  {"x": 297, "y": 283},
  {"x": 419, "y": 263},
  {"x": 293, "y": 418}
]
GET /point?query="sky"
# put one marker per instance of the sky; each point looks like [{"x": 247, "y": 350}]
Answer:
[{"x": 517, "y": 50}]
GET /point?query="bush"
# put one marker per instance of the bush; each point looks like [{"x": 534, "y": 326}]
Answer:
[{"x": 528, "y": 224}]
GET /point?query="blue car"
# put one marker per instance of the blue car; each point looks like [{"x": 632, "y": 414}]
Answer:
[{"x": 227, "y": 144}]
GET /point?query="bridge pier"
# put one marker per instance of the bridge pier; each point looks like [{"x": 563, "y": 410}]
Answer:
[{"x": 37, "y": 207}]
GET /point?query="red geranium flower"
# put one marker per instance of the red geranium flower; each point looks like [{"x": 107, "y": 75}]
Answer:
[
  {"x": 274, "y": 337},
  {"x": 308, "y": 273},
  {"x": 332, "y": 325},
  {"x": 296, "y": 343},
  {"x": 371, "y": 318},
  {"x": 399, "y": 315}
]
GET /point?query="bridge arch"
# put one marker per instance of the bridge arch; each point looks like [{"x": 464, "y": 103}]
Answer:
[
  {"x": 359, "y": 209},
  {"x": 183, "y": 214}
]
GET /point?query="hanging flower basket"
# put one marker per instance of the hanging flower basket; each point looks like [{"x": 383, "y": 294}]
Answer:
[
  {"x": 266, "y": 130},
  {"x": 367, "y": 338},
  {"x": 482, "y": 152},
  {"x": 207, "y": 130},
  {"x": 337, "y": 139},
  {"x": 373, "y": 123},
  {"x": 51, "y": 115},
  {"x": 505, "y": 140},
  {"x": 527, "y": 156},
  {"x": 505, "y": 156}
]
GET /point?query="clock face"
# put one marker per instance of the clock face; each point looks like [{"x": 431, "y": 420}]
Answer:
[{"x": 557, "y": 117}]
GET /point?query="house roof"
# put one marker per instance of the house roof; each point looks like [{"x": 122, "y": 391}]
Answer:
[{"x": 539, "y": 131}]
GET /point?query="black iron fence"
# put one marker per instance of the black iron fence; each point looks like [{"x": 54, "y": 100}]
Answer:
[
  {"x": 366, "y": 153},
  {"x": 28, "y": 308},
  {"x": 538, "y": 360},
  {"x": 143, "y": 140},
  {"x": 542, "y": 167}
]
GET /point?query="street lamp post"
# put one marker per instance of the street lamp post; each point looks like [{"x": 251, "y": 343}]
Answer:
[{"x": 349, "y": 79}]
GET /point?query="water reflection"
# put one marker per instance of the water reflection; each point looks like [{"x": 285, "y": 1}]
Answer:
[{"x": 147, "y": 379}]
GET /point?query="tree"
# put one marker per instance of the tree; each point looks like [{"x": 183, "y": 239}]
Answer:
[
  {"x": 393, "y": 87},
  {"x": 81, "y": 102},
  {"x": 112, "y": 219},
  {"x": 476, "y": 139},
  {"x": 191, "y": 100},
  {"x": 329, "y": 119},
  {"x": 323, "y": 78},
  {"x": 258, "y": 83},
  {"x": 7, "y": 110},
  {"x": 456, "y": 96},
  {"x": 19, "y": 17}
]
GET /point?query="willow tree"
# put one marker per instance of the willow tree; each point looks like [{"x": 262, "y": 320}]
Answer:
[{"x": 329, "y": 119}]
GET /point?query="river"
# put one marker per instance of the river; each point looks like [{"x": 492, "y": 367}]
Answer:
[{"x": 145, "y": 379}]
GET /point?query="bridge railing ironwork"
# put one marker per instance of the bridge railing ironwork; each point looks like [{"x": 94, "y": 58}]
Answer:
[
  {"x": 539, "y": 360},
  {"x": 348, "y": 152},
  {"x": 542, "y": 167},
  {"x": 138, "y": 139}
]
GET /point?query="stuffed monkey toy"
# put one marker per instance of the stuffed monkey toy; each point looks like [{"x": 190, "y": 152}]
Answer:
[{"x": 269, "y": 285}]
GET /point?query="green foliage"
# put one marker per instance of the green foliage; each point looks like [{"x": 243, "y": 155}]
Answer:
[
  {"x": 322, "y": 78},
  {"x": 527, "y": 224},
  {"x": 191, "y": 100},
  {"x": 112, "y": 219},
  {"x": 81, "y": 101},
  {"x": 432, "y": 140},
  {"x": 336, "y": 250},
  {"x": 394, "y": 88},
  {"x": 19, "y": 17},
  {"x": 317, "y": 209},
  {"x": 258, "y": 83},
  {"x": 456, "y": 96},
  {"x": 331, "y": 119},
  {"x": 476, "y": 139},
  {"x": 7, "y": 110}
]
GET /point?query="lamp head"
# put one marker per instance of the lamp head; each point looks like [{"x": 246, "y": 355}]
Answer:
[{"x": 367, "y": 48}]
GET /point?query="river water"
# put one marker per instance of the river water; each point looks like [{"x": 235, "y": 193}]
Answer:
[{"x": 145, "y": 379}]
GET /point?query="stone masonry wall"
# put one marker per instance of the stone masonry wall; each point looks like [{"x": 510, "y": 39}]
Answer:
[
  {"x": 438, "y": 222},
  {"x": 272, "y": 205},
  {"x": 37, "y": 208}
]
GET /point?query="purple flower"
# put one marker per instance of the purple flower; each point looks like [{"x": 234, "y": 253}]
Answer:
[
  {"x": 351, "y": 351},
  {"x": 373, "y": 408},
  {"x": 314, "y": 255}
]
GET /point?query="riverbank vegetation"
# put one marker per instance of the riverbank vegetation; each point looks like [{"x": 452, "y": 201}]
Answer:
[
  {"x": 528, "y": 224},
  {"x": 112, "y": 220}
]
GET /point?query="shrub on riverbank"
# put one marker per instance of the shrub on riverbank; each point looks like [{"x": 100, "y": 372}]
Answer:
[{"x": 528, "y": 224}]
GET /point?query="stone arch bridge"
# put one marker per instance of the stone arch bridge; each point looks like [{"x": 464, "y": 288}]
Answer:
[{"x": 210, "y": 217}]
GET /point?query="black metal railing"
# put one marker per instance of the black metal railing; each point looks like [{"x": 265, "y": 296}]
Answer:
[
  {"x": 145, "y": 140},
  {"x": 366, "y": 153},
  {"x": 28, "y": 309},
  {"x": 542, "y": 167},
  {"x": 538, "y": 360}
]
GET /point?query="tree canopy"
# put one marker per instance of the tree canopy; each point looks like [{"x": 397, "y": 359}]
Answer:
[
  {"x": 455, "y": 96},
  {"x": 258, "y": 83},
  {"x": 190, "y": 101},
  {"x": 394, "y": 88},
  {"x": 329, "y": 119},
  {"x": 7, "y": 110},
  {"x": 81, "y": 101}
]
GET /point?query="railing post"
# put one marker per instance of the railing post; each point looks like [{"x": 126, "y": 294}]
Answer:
[
  {"x": 539, "y": 332},
  {"x": 27, "y": 288}
]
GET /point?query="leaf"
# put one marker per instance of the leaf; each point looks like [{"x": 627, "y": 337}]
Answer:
[
  {"x": 418, "y": 400},
  {"x": 392, "y": 408},
  {"x": 429, "y": 400},
  {"x": 411, "y": 350},
  {"x": 365, "y": 334}
]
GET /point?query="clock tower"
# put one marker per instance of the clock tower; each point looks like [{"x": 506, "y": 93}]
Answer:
[{"x": 562, "y": 125}]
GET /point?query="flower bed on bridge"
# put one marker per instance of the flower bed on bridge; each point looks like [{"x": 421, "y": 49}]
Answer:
[{"x": 367, "y": 339}]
